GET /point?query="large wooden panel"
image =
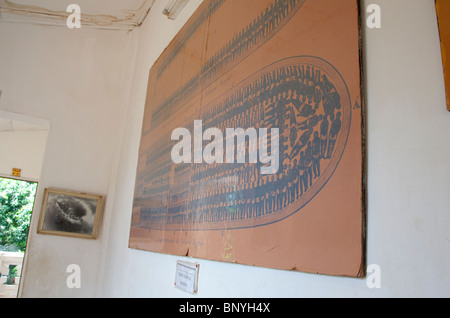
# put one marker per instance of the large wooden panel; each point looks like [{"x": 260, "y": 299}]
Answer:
[{"x": 291, "y": 66}]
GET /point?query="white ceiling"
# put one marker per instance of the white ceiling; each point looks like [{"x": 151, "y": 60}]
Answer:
[{"x": 105, "y": 14}]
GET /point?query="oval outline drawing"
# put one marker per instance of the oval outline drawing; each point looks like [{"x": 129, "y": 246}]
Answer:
[{"x": 315, "y": 66}]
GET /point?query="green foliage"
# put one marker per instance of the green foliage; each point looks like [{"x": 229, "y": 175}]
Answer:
[{"x": 16, "y": 205}]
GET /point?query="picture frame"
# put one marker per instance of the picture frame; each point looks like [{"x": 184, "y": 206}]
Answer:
[{"x": 69, "y": 213}]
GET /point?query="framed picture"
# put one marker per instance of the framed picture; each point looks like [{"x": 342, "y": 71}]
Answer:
[{"x": 67, "y": 213}]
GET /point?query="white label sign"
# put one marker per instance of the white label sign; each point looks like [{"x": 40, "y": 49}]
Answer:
[{"x": 186, "y": 277}]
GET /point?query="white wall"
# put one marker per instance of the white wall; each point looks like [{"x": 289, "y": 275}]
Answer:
[
  {"x": 409, "y": 152},
  {"x": 23, "y": 150},
  {"x": 75, "y": 80},
  {"x": 91, "y": 87},
  {"x": 408, "y": 176}
]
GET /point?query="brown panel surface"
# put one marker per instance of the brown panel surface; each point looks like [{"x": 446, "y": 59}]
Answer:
[
  {"x": 293, "y": 65},
  {"x": 443, "y": 13}
]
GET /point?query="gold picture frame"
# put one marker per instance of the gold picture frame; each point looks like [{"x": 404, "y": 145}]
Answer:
[{"x": 68, "y": 213}]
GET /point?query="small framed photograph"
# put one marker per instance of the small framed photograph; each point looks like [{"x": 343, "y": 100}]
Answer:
[{"x": 72, "y": 214}]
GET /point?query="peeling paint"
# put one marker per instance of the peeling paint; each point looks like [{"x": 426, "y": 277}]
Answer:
[
  {"x": 229, "y": 249},
  {"x": 271, "y": 249},
  {"x": 129, "y": 20}
]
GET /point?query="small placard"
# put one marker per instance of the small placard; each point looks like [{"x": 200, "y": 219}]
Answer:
[
  {"x": 16, "y": 172},
  {"x": 186, "y": 277}
]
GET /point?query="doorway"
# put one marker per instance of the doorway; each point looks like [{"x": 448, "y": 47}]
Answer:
[
  {"x": 16, "y": 205},
  {"x": 23, "y": 141}
]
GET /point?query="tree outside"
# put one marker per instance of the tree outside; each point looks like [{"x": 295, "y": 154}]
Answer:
[{"x": 16, "y": 205}]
